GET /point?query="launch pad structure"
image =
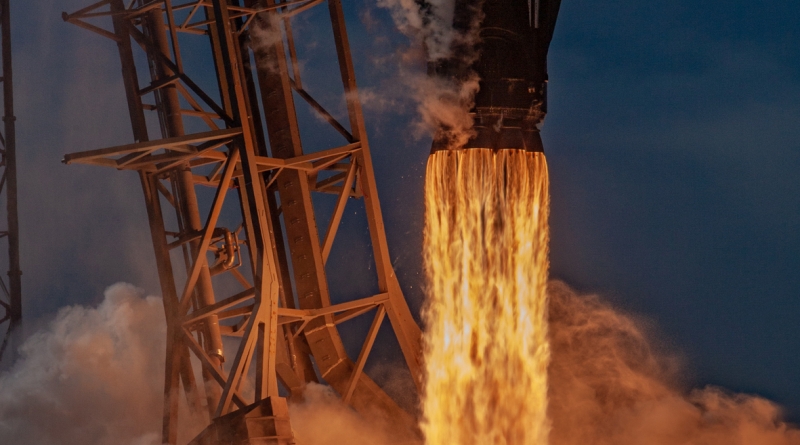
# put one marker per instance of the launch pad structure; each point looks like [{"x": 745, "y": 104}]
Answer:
[
  {"x": 241, "y": 140},
  {"x": 11, "y": 294}
]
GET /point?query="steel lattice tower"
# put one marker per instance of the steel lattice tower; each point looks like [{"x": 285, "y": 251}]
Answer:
[
  {"x": 251, "y": 155},
  {"x": 11, "y": 294}
]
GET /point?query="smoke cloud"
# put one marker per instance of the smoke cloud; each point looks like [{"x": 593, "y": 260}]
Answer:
[
  {"x": 95, "y": 376},
  {"x": 610, "y": 385},
  {"x": 430, "y": 23},
  {"x": 323, "y": 419},
  {"x": 443, "y": 103}
]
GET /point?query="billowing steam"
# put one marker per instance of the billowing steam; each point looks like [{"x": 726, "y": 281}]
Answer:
[
  {"x": 609, "y": 387},
  {"x": 95, "y": 376},
  {"x": 322, "y": 419},
  {"x": 430, "y": 22}
]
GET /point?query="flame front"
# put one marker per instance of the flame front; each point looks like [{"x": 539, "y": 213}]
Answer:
[{"x": 486, "y": 259}]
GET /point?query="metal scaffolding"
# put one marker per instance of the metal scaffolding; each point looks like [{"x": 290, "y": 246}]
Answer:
[
  {"x": 249, "y": 153},
  {"x": 11, "y": 294}
]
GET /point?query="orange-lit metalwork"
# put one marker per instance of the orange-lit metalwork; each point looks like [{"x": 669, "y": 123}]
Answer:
[{"x": 282, "y": 313}]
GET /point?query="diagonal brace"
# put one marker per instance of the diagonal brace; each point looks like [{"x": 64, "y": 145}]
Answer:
[{"x": 200, "y": 259}]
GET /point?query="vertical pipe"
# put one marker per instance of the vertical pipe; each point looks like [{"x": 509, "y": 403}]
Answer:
[
  {"x": 189, "y": 208},
  {"x": 14, "y": 272},
  {"x": 177, "y": 361},
  {"x": 266, "y": 277}
]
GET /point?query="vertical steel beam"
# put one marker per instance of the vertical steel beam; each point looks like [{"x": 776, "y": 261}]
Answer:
[
  {"x": 266, "y": 276},
  {"x": 10, "y": 160},
  {"x": 277, "y": 208},
  {"x": 177, "y": 355},
  {"x": 406, "y": 329},
  {"x": 295, "y": 196},
  {"x": 188, "y": 208},
  {"x": 300, "y": 224},
  {"x": 174, "y": 357}
]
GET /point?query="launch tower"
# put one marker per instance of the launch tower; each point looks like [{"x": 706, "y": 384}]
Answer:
[
  {"x": 10, "y": 294},
  {"x": 231, "y": 183}
]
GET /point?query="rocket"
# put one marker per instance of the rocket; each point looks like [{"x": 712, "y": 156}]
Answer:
[{"x": 510, "y": 59}]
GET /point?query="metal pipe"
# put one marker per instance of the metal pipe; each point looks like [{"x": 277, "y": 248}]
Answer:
[
  {"x": 188, "y": 207},
  {"x": 231, "y": 246}
]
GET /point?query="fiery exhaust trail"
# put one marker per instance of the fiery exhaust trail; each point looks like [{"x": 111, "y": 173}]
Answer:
[{"x": 486, "y": 259}]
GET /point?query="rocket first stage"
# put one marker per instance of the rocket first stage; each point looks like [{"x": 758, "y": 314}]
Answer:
[{"x": 514, "y": 37}]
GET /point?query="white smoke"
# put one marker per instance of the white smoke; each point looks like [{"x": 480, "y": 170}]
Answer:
[
  {"x": 266, "y": 32},
  {"x": 429, "y": 23},
  {"x": 94, "y": 376},
  {"x": 443, "y": 104}
]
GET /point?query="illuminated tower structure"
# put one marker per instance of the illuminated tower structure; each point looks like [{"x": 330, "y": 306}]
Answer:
[
  {"x": 204, "y": 154},
  {"x": 11, "y": 293}
]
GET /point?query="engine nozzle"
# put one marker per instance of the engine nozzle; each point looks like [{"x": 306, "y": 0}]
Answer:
[{"x": 511, "y": 103}]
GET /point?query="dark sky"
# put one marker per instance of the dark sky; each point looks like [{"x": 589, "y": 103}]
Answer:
[
  {"x": 674, "y": 146},
  {"x": 672, "y": 139}
]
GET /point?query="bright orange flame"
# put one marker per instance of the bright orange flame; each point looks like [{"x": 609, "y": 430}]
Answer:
[{"x": 486, "y": 258}]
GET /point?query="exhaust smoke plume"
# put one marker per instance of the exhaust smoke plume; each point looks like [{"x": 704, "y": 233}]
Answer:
[
  {"x": 323, "y": 419},
  {"x": 609, "y": 386},
  {"x": 95, "y": 376}
]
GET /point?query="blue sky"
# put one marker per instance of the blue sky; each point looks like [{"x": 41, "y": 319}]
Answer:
[{"x": 673, "y": 146}]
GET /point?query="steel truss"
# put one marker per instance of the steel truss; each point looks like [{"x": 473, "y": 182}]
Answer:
[
  {"x": 282, "y": 314},
  {"x": 11, "y": 294}
]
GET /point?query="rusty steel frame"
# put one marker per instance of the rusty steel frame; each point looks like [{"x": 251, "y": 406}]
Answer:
[
  {"x": 283, "y": 315},
  {"x": 11, "y": 295}
]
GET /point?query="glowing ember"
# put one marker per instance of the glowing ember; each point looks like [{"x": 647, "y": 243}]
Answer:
[{"x": 486, "y": 352}]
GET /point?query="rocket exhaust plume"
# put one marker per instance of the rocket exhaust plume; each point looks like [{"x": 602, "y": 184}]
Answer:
[
  {"x": 486, "y": 350},
  {"x": 486, "y": 236}
]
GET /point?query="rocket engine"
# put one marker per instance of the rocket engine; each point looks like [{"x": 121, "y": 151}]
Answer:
[{"x": 514, "y": 37}]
